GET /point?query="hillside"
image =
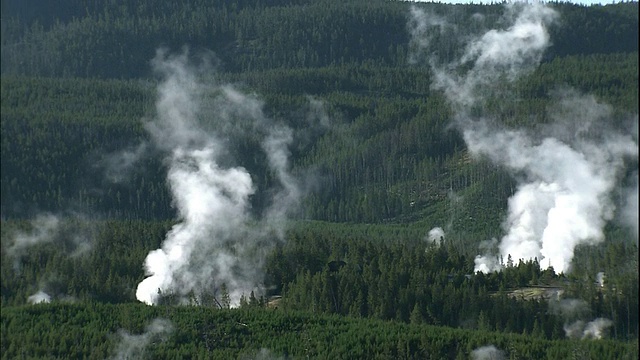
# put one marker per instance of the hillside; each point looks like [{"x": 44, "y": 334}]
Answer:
[
  {"x": 125, "y": 331},
  {"x": 436, "y": 174}
]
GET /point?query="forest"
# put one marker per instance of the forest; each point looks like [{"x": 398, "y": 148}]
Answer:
[{"x": 362, "y": 179}]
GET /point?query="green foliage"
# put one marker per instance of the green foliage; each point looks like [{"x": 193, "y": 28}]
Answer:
[
  {"x": 355, "y": 277},
  {"x": 113, "y": 40},
  {"x": 100, "y": 331}
]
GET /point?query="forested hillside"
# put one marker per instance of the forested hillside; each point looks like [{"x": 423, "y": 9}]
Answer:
[{"x": 353, "y": 175}]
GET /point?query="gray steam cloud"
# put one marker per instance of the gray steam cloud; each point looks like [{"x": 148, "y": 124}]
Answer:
[
  {"x": 629, "y": 212},
  {"x": 600, "y": 277},
  {"x": 573, "y": 312},
  {"x": 566, "y": 172},
  {"x": 44, "y": 229},
  {"x": 48, "y": 228},
  {"x": 217, "y": 241},
  {"x": 497, "y": 55},
  {"x": 50, "y": 288},
  {"x": 421, "y": 29},
  {"x": 488, "y": 352},
  {"x": 317, "y": 116},
  {"x": 595, "y": 329},
  {"x": 118, "y": 166},
  {"x": 134, "y": 346}
]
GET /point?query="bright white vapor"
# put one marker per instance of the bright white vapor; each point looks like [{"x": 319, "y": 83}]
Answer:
[
  {"x": 217, "y": 242},
  {"x": 565, "y": 199},
  {"x": 44, "y": 229},
  {"x": 72, "y": 237},
  {"x": 567, "y": 172},
  {"x": 489, "y": 352},
  {"x": 39, "y": 297}
]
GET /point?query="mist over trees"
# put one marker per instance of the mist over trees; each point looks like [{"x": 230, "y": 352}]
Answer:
[{"x": 330, "y": 108}]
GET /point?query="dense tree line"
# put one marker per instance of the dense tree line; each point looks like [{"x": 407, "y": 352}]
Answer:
[
  {"x": 100, "y": 331},
  {"x": 420, "y": 282},
  {"x": 369, "y": 271},
  {"x": 355, "y": 276},
  {"x": 107, "y": 39},
  {"x": 388, "y": 155}
]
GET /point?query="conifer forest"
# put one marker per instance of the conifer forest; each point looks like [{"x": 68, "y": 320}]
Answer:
[{"x": 318, "y": 179}]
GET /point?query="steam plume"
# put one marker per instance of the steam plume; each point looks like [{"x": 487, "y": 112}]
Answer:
[
  {"x": 420, "y": 27},
  {"x": 595, "y": 329},
  {"x": 134, "y": 346},
  {"x": 39, "y": 297},
  {"x": 592, "y": 330},
  {"x": 570, "y": 310},
  {"x": 566, "y": 175},
  {"x": 600, "y": 279},
  {"x": 488, "y": 352},
  {"x": 497, "y": 55},
  {"x": 44, "y": 228},
  {"x": 435, "y": 235},
  {"x": 574, "y": 311},
  {"x": 564, "y": 198},
  {"x": 217, "y": 243},
  {"x": 73, "y": 239},
  {"x": 119, "y": 166}
]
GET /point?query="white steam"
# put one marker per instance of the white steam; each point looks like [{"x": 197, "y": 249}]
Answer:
[
  {"x": 488, "y": 352},
  {"x": 72, "y": 237},
  {"x": 119, "y": 166},
  {"x": 595, "y": 329},
  {"x": 566, "y": 173},
  {"x": 436, "y": 235},
  {"x": 498, "y": 55},
  {"x": 569, "y": 309},
  {"x": 39, "y": 298},
  {"x": 629, "y": 212},
  {"x": 574, "y": 311},
  {"x": 134, "y": 346},
  {"x": 564, "y": 198},
  {"x": 217, "y": 243},
  {"x": 43, "y": 230},
  {"x": 600, "y": 277}
]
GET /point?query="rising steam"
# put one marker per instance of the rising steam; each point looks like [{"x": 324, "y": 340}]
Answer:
[
  {"x": 71, "y": 236},
  {"x": 573, "y": 312},
  {"x": 564, "y": 196},
  {"x": 217, "y": 244},
  {"x": 566, "y": 172},
  {"x": 134, "y": 346},
  {"x": 40, "y": 297},
  {"x": 43, "y": 230},
  {"x": 435, "y": 235},
  {"x": 488, "y": 352}
]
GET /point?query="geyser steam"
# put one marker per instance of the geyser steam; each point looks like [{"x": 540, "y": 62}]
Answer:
[
  {"x": 564, "y": 198},
  {"x": 39, "y": 297},
  {"x": 134, "y": 346},
  {"x": 217, "y": 243},
  {"x": 566, "y": 173}
]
